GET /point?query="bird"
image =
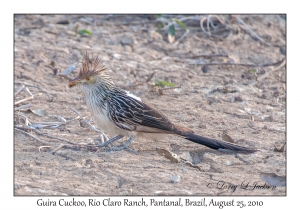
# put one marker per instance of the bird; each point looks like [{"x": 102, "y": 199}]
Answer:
[{"x": 118, "y": 111}]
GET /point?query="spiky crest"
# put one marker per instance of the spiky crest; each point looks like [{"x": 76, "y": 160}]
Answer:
[{"x": 92, "y": 69}]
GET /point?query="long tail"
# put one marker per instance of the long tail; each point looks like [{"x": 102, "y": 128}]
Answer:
[{"x": 217, "y": 144}]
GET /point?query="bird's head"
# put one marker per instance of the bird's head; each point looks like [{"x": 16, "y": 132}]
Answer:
[{"x": 92, "y": 74}]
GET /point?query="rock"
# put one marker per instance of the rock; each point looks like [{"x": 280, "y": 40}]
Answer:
[
  {"x": 175, "y": 178},
  {"x": 205, "y": 69},
  {"x": 124, "y": 193},
  {"x": 268, "y": 118},
  {"x": 155, "y": 35},
  {"x": 276, "y": 93},
  {"x": 210, "y": 158},
  {"x": 186, "y": 156},
  {"x": 126, "y": 41}
]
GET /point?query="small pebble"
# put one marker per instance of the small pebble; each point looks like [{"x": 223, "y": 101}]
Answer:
[
  {"x": 124, "y": 193},
  {"x": 126, "y": 41},
  {"x": 205, "y": 69},
  {"x": 174, "y": 178},
  {"x": 238, "y": 98},
  {"x": 283, "y": 50}
]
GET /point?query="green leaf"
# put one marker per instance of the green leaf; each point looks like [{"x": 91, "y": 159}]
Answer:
[
  {"x": 181, "y": 24},
  {"x": 172, "y": 30},
  {"x": 160, "y": 26},
  {"x": 253, "y": 70},
  {"x": 159, "y": 15},
  {"x": 163, "y": 83},
  {"x": 85, "y": 32}
]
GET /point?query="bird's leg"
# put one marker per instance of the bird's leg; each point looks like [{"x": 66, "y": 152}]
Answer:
[
  {"x": 116, "y": 138},
  {"x": 125, "y": 146}
]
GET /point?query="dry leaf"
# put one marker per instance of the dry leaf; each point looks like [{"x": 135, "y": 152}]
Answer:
[
  {"x": 175, "y": 159},
  {"x": 265, "y": 127},
  {"x": 227, "y": 138},
  {"x": 281, "y": 149},
  {"x": 169, "y": 155},
  {"x": 171, "y": 38},
  {"x": 52, "y": 63},
  {"x": 39, "y": 112}
]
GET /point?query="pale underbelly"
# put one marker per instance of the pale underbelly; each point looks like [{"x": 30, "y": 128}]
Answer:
[{"x": 105, "y": 125}]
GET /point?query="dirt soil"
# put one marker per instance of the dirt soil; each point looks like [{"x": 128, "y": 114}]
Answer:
[{"x": 208, "y": 100}]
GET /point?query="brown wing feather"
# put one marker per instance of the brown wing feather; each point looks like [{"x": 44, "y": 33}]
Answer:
[{"x": 131, "y": 114}]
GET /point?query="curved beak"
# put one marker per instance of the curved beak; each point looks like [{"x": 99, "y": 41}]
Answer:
[{"x": 74, "y": 82}]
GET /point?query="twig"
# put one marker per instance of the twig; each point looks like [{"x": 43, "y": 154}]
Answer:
[
  {"x": 63, "y": 120},
  {"x": 141, "y": 83},
  {"x": 20, "y": 89},
  {"x": 160, "y": 90},
  {"x": 25, "y": 99},
  {"x": 56, "y": 149},
  {"x": 33, "y": 127},
  {"x": 31, "y": 85},
  {"x": 34, "y": 137},
  {"x": 240, "y": 64},
  {"x": 48, "y": 123},
  {"x": 27, "y": 122},
  {"x": 50, "y": 32},
  {"x": 209, "y": 23},
  {"x": 181, "y": 38},
  {"x": 243, "y": 25},
  {"x": 162, "y": 19},
  {"x": 28, "y": 91},
  {"x": 24, "y": 107},
  {"x": 201, "y": 26},
  {"x": 70, "y": 144},
  {"x": 90, "y": 126},
  {"x": 52, "y": 125},
  {"x": 150, "y": 76},
  {"x": 54, "y": 137},
  {"x": 167, "y": 88},
  {"x": 282, "y": 63},
  {"x": 209, "y": 55},
  {"x": 27, "y": 127},
  {"x": 43, "y": 147}
]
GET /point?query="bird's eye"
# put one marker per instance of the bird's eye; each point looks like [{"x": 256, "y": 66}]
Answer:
[{"x": 88, "y": 79}]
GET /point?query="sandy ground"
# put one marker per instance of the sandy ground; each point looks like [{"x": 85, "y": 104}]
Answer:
[{"x": 132, "y": 49}]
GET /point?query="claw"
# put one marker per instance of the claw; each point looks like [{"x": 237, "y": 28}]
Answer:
[
  {"x": 105, "y": 144},
  {"x": 125, "y": 146}
]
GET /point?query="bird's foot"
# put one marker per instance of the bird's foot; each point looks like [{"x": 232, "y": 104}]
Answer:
[
  {"x": 125, "y": 146},
  {"x": 116, "y": 138}
]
